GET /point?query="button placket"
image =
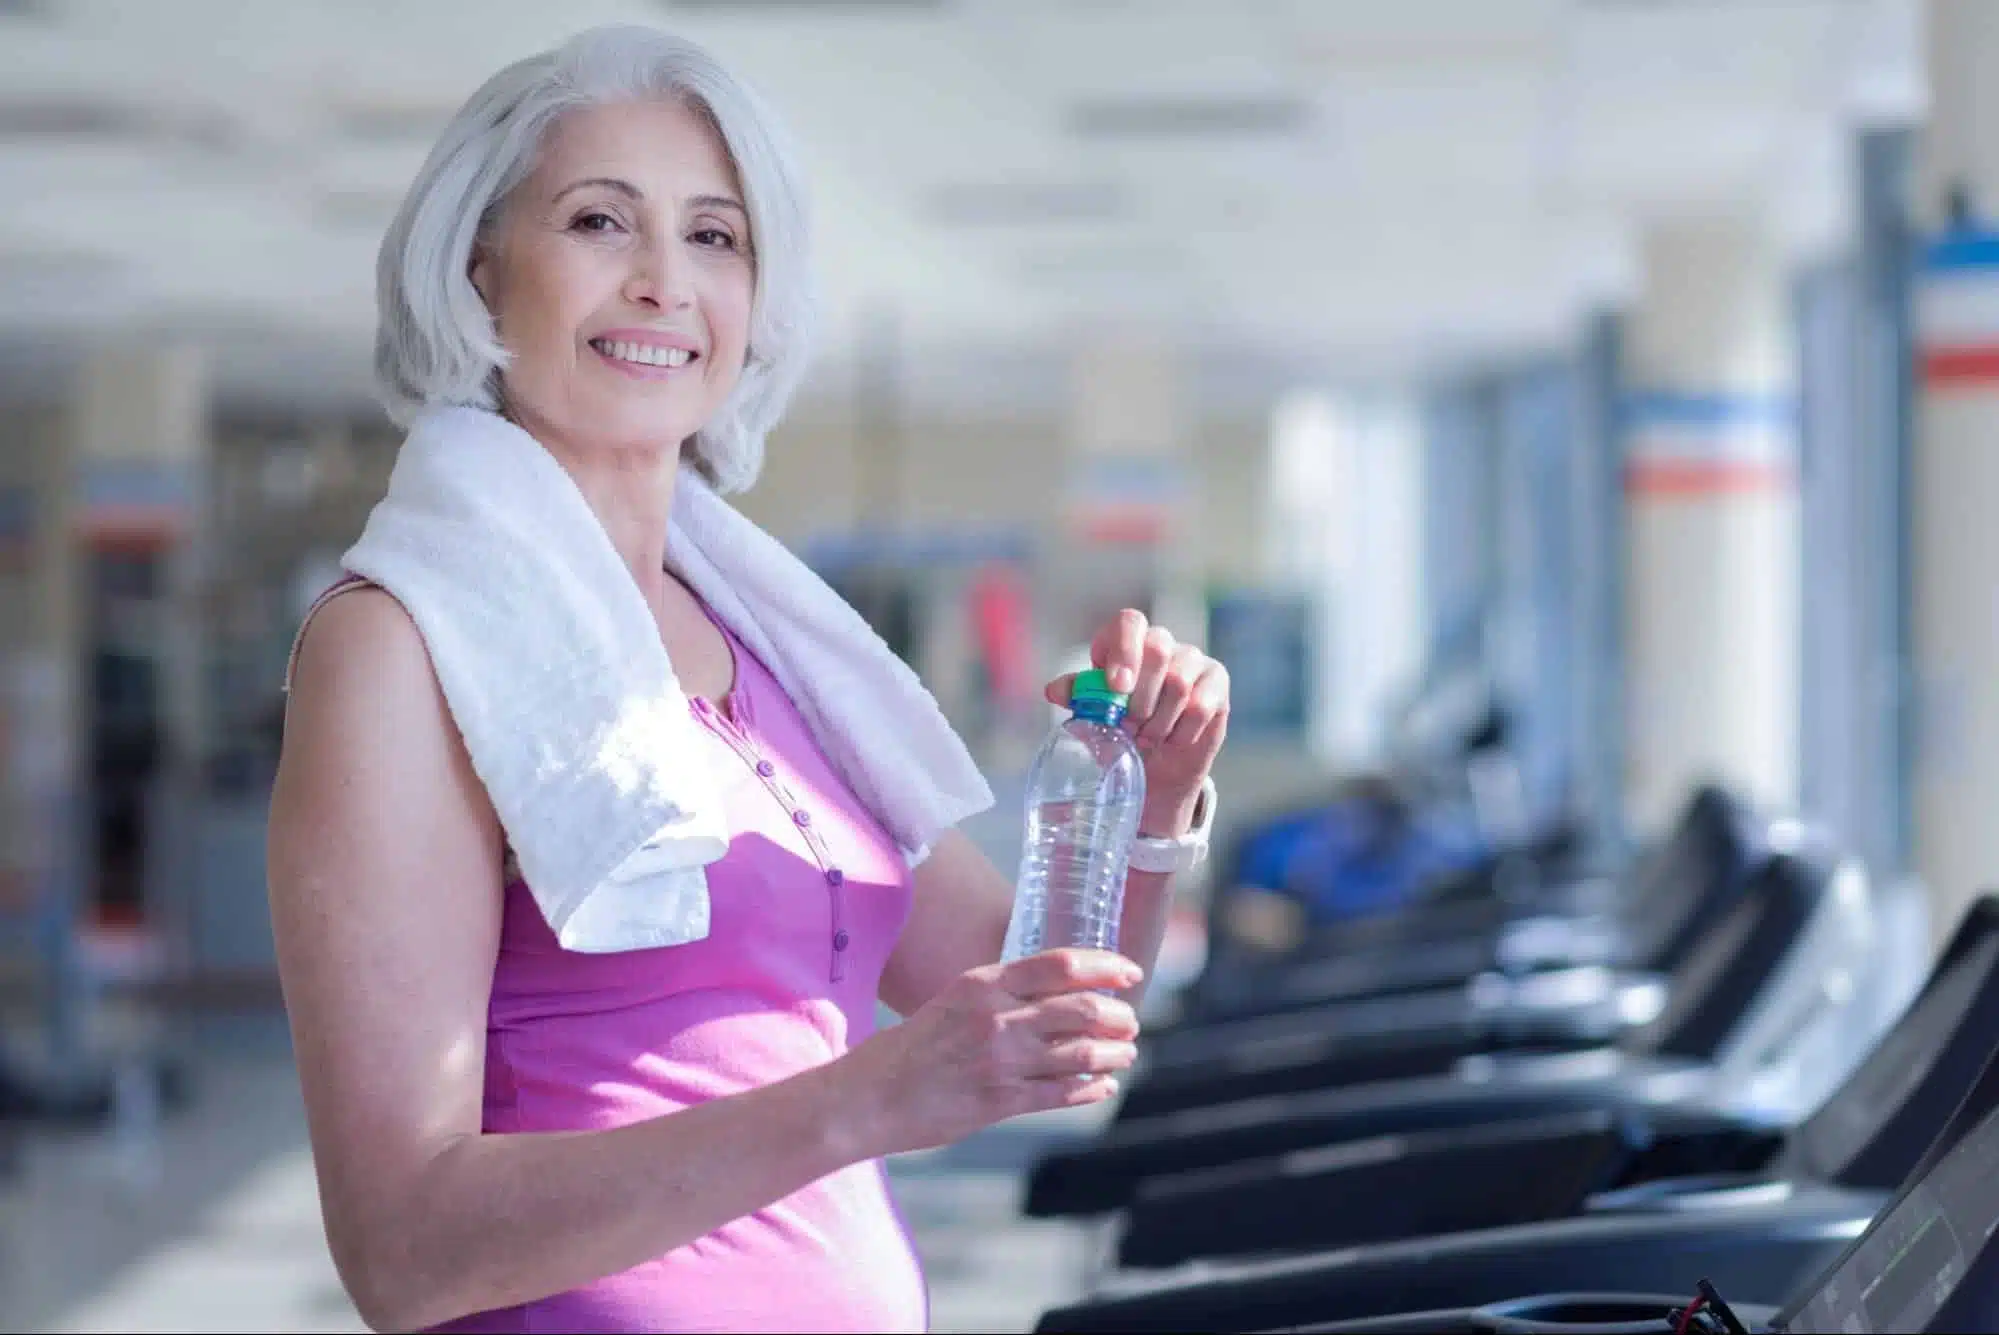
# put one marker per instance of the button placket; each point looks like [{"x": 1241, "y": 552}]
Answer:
[
  {"x": 739, "y": 742},
  {"x": 835, "y": 894}
]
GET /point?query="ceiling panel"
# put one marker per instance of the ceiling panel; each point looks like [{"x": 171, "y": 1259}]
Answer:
[{"x": 1335, "y": 178}]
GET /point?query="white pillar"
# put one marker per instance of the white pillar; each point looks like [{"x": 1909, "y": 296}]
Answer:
[
  {"x": 1955, "y": 488},
  {"x": 39, "y": 681},
  {"x": 1711, "y": 490},
  {"x": 1128, "y": 506},
  {"x": 140, "y": 450}
]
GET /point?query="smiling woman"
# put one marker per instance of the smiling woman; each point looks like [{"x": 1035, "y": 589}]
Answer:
[
  {"x": 597, "y": 279},
  {"x": 437, "y": 341},
  {"x": 561, "y": 1073}
]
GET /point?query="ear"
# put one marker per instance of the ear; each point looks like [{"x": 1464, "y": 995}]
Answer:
[{"x": 479, "y": 271}]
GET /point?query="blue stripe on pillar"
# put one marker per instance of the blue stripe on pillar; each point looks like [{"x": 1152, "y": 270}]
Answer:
[
  {"x": 1962, "y": 249},
  {"x": 1643, "y": 408},
  {"x": 153, "y": 484}
]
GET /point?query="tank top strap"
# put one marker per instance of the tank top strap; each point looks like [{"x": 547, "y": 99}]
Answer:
[
  {"x": 747, "y": 666},
  {"x": 346, "y": 584}
]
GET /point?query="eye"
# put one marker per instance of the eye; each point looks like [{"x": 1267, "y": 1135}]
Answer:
[
  {"x": 714, "y": 237},
  {"x": 594, "y": 221}
]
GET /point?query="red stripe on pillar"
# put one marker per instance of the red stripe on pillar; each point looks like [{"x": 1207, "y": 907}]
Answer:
[
  {"x": 1958, "y": 367},
  {"x": 1705, "y": 479},
  {"x": 132, "y": 527},
  {"x": 1120, "y": 524}
]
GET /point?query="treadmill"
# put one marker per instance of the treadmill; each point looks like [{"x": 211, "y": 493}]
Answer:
[
  {"x": 1927, "y": 1262},
  {"x": 1755, "y": 987},
  {"x": 1397, "y": 1036},
  {"x": 1868, "y": 1135},
  {"x": 1756, "y": 1252},
  {"x": 1680, "y": 881}
]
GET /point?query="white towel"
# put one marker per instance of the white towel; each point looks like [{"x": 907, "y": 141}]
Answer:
[{"x": 552, "y": 667}]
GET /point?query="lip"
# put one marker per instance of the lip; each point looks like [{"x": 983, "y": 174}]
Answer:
[{"x": 651, "y": 338}]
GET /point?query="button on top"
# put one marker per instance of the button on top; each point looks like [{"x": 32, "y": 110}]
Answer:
[
  {"x": 834, "y": 876},
  {"x": 765, "y": 768},
  {"x": 840, "y": 939},
  {"x": 802, "y": 817}
]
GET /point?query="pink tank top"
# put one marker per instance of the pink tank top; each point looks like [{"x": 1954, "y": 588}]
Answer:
[{"x": 804, "y": 908}]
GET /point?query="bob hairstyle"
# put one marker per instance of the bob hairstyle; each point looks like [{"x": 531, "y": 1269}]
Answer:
[{"x": 435, "y": 342}]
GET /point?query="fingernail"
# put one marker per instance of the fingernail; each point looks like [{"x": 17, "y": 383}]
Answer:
[{"x": 1124, "y": 679}]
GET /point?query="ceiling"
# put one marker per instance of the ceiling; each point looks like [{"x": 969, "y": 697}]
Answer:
[{"x": 1286, "y": 189}]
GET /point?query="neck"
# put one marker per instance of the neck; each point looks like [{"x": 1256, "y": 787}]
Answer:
[{"x": 630, "y": 490}]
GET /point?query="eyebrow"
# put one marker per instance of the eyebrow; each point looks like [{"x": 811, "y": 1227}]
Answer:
[{"x": 632, "y": 192}]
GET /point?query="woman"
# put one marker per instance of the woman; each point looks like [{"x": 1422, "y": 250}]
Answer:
[{"x": 606, "y": 248}]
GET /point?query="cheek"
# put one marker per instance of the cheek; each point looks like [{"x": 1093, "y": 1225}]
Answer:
[
  {"x": 731, "y": 320},
  {"x": 546, "y": 308},
  {"x": 561, "y": 304}
]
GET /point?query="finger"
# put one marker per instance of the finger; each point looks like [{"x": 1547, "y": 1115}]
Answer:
[
  {"x": 1176, "y": 692},
  {"x": 1067, "y": 1092},
  {"x": 1081, "y": 1056},
  {"x": 1208, "y": 743},
  {"x": 1119, "y": 648},
  {"x": 1206, "y": 700},
  {"x": 1085, "y": 1014},
  {"x": 1059, "y": 690},
  {"x": 1070, "y": 969},
  {"x": 1154, "y": 660}
]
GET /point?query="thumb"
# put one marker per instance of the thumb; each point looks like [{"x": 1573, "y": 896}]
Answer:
[{"x": 1058, "y": 691}]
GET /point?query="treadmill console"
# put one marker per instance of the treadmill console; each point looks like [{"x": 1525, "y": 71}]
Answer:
[
  {"x": 1922, "y": 1260},
  {"x": 1848, "y": 1122}
]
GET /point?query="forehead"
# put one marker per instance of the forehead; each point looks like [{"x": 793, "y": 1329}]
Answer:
[{"x": 664, "y": 147}]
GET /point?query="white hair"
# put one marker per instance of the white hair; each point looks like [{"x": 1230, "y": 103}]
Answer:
[{"x": 436, "y": 343}]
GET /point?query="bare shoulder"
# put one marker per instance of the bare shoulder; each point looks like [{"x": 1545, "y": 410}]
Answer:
[
  {"x": 368, "y": 735},
  {"x": 362, "y": 637},
  {"x": 363, "y": 678}
]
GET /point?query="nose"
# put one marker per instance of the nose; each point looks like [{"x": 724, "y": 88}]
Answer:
[{"x": 661, "y": 277}]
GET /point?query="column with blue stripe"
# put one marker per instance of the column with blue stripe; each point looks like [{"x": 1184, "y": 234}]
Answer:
[
  {"x": 1709, "y": 432},
  {"x": 1953, "y": 539}
]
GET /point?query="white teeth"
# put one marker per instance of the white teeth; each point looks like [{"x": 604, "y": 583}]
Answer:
[{"x": 643, "y": 354}]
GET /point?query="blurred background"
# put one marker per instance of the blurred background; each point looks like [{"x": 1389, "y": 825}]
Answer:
[{"x": 1540, "y": 405}]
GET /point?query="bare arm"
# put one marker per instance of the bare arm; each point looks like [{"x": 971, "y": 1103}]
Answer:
[{"x": 385, "y": 896}]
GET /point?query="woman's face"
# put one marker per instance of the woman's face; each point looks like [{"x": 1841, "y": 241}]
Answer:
[{"x": 620, "y": 277}]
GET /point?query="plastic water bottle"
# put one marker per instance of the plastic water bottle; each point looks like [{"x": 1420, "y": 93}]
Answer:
[{"x": 1084, "y": 793}]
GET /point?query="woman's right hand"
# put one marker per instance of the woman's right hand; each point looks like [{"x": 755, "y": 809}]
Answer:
[{"x": 1000, "y": 1041}]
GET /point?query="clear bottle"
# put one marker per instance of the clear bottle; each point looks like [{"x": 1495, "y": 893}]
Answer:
[{"x": 1085, "y": 790}]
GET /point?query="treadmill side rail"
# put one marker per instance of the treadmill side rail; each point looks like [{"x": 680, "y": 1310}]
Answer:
[{"x": 1402, "y": 1186}]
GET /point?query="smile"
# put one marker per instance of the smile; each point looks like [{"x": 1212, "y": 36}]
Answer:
[{"x": 647, "y": 355}]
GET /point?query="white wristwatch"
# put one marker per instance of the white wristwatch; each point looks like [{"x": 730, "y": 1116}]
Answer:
[{"x": 1189, "y": 850}]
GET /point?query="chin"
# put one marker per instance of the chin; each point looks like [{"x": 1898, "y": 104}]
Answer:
[{"x": 640, "y": 425}]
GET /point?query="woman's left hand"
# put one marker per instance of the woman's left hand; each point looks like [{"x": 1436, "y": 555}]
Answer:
[{"x": 1179, "y": 712}]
